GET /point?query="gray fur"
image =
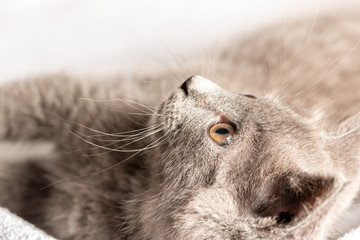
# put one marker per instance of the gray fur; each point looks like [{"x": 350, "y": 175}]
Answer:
[{"x": 290, "y": 171}]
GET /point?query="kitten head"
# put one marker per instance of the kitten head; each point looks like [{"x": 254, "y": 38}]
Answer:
[{"x": 232, "y": 166}]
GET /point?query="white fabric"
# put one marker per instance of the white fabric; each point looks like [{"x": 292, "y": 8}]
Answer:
[
  {"x": 14, "y": 228},
  {"x": 352, "y": 235}
]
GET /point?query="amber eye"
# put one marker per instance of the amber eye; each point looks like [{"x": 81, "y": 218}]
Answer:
[{"x": 221, "y": 133}]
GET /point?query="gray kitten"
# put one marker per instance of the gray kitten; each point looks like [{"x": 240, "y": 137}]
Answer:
[{"x": 205, "y": 163}]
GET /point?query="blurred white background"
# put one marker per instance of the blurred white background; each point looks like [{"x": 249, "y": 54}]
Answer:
[{"x": 102, "y": 37}]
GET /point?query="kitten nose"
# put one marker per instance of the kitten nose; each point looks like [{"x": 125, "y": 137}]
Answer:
[{"x": 198, "y": 84}]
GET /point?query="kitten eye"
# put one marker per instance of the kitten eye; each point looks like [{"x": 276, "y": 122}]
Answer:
[{"x": 221, "y": 133}]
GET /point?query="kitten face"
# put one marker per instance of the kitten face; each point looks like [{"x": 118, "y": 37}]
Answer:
[{"x": 271, "y": 168}]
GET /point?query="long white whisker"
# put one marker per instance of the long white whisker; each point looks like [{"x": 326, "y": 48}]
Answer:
[
  {"x": 137, "y": 131},
  {"x": 107, "y": 148},
  {"x": 114, "y": 149},
  {"x": 306, "y": 42},
  {"x": 129, "y": 113},
  {"x": 139, "y": 104},
  {"x": 124, "y": 136},
  {"x": 344, "y": 134},
  {"x": 112, "y": 141},
  {"x": 269, "y": 65},
  {"x": 327, "y": 72},
  {"x": 126, "y": 101},
  {"x": 120, "y": 134},
  {"x": 149, "y": 146},
  {"x": 142, "y": 99},
  {"x": 283, "y": 54}
]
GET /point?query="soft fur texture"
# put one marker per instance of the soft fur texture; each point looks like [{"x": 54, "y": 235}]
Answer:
[{"x": 99, "y": 161}]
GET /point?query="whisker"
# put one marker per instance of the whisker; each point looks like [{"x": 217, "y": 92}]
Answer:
[
  {"x": 139, "y": 104},
  {"x": 96, "y": 146},
  {"x": 137, "y": 132},
  {"x": 113, "y": 142},
  {"x": 127, "y": 102},
  {"x": 142, "y": 99},
  {"x": 149, "y": 146},
  {"x": 129, "y": 137},
  {"x": 306, "y": 42},
  {"x": 344, "y": 134},
  {"x": 327, "y": 73},
  {"x": 269, "y": 65},
  {"x": 120, "y": 134},
  {"x": 170, "y": 70},
  {"x": 111, "y": 149},
  {"x": 128, "y": 116},
  {"x": 283, "y": 55},
  {"x": 180, "y": 62},
  {"x": 129, "y": 113},
  {"x": 98, "y": 100},
  {"x": 210, "y": 62},
  {"x": 125, "y": 136}
]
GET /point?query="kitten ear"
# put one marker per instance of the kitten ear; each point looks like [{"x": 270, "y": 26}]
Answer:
[
  {"x": 284, "y": 197},
  {"x": 344, "y": 146}
]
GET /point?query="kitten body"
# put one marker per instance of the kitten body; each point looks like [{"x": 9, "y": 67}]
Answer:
[{"x": 113, "y": 168}]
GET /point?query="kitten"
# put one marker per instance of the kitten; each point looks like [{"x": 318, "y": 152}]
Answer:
[{"x": 205, "y": 163}]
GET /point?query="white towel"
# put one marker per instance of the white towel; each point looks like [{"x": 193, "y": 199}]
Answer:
[
  {"x": 14, "y": 228},
  {"x": 352, "y": 235}
]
